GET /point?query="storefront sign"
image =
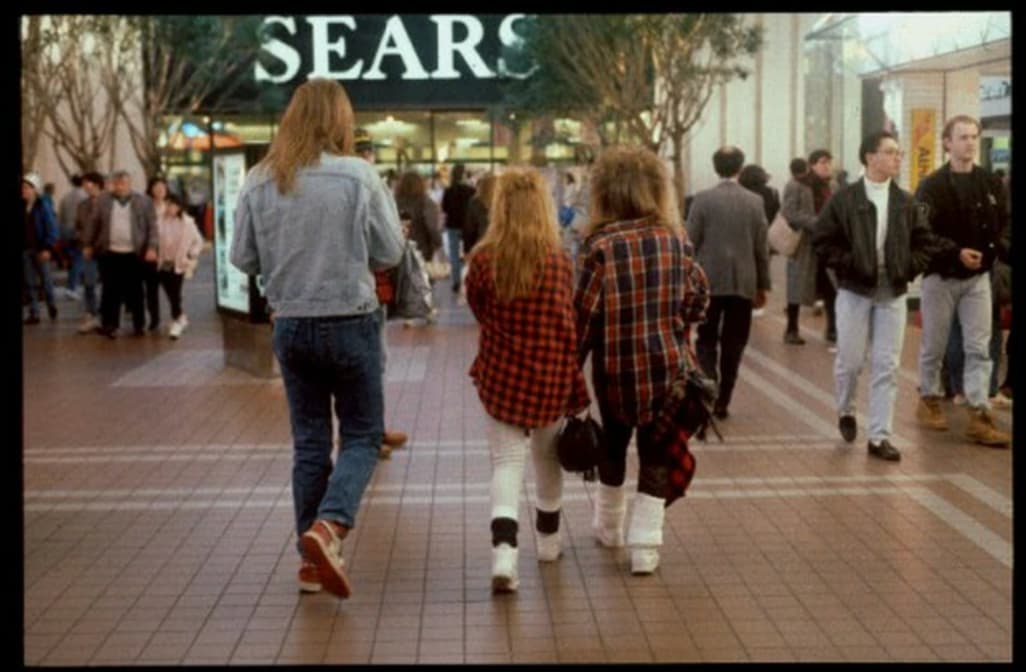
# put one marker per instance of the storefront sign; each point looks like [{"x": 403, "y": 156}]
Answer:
[
  {"x": 232, "y": 288},
  {"x": 421, "y": 60},
  {"x": 923, "y": 147}
]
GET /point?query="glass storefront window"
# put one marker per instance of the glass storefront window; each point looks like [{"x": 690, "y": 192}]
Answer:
[
  {"x": 463, "y": 137},
  {"x": 402, "y": 139}
]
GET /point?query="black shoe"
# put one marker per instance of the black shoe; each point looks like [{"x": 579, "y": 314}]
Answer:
[
  {"x": 831, "y": 336},
  {"x": 720, "y": 412},
  {"x": 52, "y": 310},
  {"x": 109, "y": 332},
  {"x": 31, "y": 319},
  {"x": 138, "y": 331},
  {"x": 792, "y": 338},
  {"x": 848, "y": 428},
  {"x": 884, "y": 450},
  {"x": 153, "y": 326}
]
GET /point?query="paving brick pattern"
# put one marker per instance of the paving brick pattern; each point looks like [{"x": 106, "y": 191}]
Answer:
[{"x": 158, "y": 521}]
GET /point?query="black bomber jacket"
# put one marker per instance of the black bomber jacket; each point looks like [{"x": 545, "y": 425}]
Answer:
[
  {"x": 979, "y": 224},
  {"x": 845, "y": 238}
]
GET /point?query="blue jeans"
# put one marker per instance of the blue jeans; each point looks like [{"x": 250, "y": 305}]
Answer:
[
  {"x": 940, "y": 301},
  {"x": 954, "y": 356},
  {"x": 321, "y": 359},
  {"x": 75, "y": 262},
  {"x": 37, "y": 272},
  {"x": 90, "y": 275},
  {"x": 455, "y": 242},
  {"x": 879, "y": 319}
]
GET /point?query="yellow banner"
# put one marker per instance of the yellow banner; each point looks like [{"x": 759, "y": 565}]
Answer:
[{"x": 924, "y": 133}]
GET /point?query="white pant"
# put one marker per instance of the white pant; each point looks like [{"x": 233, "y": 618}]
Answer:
[
  {"x": 881, "y": 320},
  {"x": 508, "y": 444}
]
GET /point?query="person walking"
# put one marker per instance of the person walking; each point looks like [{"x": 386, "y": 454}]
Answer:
[
  {"x": 67, "y": 211},
  {"x": 968, "y": 214},
  {"x": 92, "y": 184},
  {"x": 315, "y": 220},
  {"x": 476, "y": 223},
  {"x": 157, "y": 190},
  {"x": 37, "y": 247},
  {"x": 454, "y": 204},
  {"x": 178, "y": 253},
  {"x": 520, "y": 289},
  {"x": 411, "y": 196},
  {"x": 799, "y": 210},
  {"x": 634, "y": 303},
  {"x": 875, "y": 238},
  {"x": 727, "y": 225},
  {"x": 818, "y": 180},
  {"x": 122, "y": 235}
]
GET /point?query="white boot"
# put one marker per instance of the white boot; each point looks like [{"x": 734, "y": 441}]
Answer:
[
  {"x": 645, "y": 535},
  {"x": 610, "y": 510},
  {"x": 504, "y": 569},
  {"x": 549, "y": 547}
]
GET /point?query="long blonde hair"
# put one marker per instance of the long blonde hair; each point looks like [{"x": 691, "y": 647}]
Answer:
[
  {"x": 319, "y": 118},
  {"x": 522, "y": 232},
  {"x": 631, "y": 183}
]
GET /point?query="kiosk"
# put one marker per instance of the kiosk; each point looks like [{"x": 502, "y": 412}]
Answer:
[{"x": 240, "y": 302}]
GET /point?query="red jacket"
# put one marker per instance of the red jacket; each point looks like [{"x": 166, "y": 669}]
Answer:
[{"x": 526, "y": 369}]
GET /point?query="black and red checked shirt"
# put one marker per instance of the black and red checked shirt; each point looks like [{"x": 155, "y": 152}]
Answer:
[
  {"x": 526, "y": 369},
  {"x": 638, "y": 292}
]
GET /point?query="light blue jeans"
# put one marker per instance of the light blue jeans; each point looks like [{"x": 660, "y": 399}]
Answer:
[
  {"x": 454, "y": 238},
  {"x": 940, "y": 299},
  {"x": 90, "y": 276},
  {"x": 326, "y": 359},
  {"x": 862, "y": 320}
]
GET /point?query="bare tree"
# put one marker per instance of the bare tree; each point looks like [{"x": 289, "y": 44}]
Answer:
[
  {"x": 63, "y": 69},
  {"x": 35, "y": 91},
  {"x": 188, "y": 64},
  {"x": 642, "y": 78}
]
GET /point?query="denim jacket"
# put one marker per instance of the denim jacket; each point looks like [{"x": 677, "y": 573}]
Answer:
[{"x": 316, "y": 247}]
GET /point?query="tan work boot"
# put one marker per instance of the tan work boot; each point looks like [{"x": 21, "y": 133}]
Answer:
[
  {"x": 982, "y": 430},
  {"x": 929, "y": 414}
]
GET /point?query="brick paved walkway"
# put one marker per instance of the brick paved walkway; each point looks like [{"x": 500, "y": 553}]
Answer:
[{"x": 158, "y": 521}]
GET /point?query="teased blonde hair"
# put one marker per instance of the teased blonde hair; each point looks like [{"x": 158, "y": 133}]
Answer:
[
  {"x": 319, "y": 118},
  {"x": 631, "y": 183},
  {"x": 522, "y": 232}
]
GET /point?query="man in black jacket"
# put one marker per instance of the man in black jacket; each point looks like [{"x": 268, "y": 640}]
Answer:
[
  {"x": 967, "y": 214},
  {"x": 875, "y": 238},
  {"x": 454, "y": 204}
]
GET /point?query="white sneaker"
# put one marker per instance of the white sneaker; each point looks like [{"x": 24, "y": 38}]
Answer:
[
  {"x": 958, "y": 400},
  {"x": 549, "y": 547},
  {"x": 504, "y": 569},
  {"x": 88, "y": 325},
  {"x": 758, "y": 312},
  {"x": 178, "y": 326},
  {"x": 644, "y": 560}
]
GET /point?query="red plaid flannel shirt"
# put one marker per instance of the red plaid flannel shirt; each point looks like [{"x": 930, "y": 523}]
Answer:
[
  {"x": 637, "y": 294},
  {"x": 526, "y": 369}
]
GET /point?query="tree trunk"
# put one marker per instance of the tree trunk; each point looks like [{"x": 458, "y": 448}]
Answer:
[{"x": 678, "y": 170}]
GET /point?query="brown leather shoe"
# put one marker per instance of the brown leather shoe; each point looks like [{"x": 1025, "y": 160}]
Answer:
[
  {"x": 394, "y": 439},
  {"x": 930, "y": 415},
  {"x": 982, "y": 430}
]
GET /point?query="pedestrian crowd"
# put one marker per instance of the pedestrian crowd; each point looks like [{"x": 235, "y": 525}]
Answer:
[{"x": 606, "y": 271}]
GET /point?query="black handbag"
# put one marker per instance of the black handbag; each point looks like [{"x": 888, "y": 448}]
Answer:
[{"x": 580, "y": 445}]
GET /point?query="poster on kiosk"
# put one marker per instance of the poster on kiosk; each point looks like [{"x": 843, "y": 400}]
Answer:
[{"x": 237, "y": 293}]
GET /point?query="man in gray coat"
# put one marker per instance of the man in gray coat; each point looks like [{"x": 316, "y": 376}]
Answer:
[
  {"x": 727, "y": 225},
  {"x": 799, "y": 211},
  {"x": 122, "y": 236}
]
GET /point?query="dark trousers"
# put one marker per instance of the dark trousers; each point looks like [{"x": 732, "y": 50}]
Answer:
[
  {"x": 652, "y": 462},
  {"x": 826, "y": 290},
  {"x": 121, "y": 275},
  {"x": 152, "y": 282},
  {"x": 172, "y": 284},
  {"x": 727, "y": 325}
]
